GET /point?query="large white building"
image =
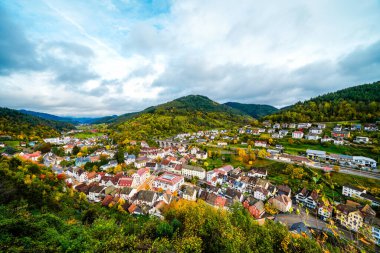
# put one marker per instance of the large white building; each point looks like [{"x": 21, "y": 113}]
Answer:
[
  {"x": 168, "y": 181},
  {"x": 193, "y": 171},
  {"x": 352, "y": 191},
  {"x": 364, "y": 161}
]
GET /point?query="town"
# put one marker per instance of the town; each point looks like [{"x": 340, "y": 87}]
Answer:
[{"x": 144, "y": 178}]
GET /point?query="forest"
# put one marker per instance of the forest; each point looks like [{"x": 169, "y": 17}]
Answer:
[
  {"x": 40, "y": 213},
  {"x": 191, "y": 113},
  {"x": 22, "y": 126},
  {"x": 356, "y": 103}
]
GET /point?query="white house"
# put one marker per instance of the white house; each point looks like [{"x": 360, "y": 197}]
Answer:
[
  {"x": 261, "y": 144},
  {"x": 297, "y": 135},
  {"x": 261, "y": 193},
  {"x": 193, "y": 171},
  {"x": 308, "y": 198},
  {"x": 168, "y": 181},
  {"x": 364, "y": 161},
  {"x": 361, "y": 139},
  {"x": 324, "y": 211},
  {"x": 352, "y": 191}
]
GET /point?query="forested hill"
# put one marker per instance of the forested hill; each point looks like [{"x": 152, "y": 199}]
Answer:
[
  {"x": 190, "y": 113},
  {"x": 254, "y": 110},
  {"x": 20, "y": 125},
  {"x": 355, "y": 103}
]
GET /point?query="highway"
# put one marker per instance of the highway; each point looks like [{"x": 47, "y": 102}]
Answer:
[{"x": 344, "y": 170}]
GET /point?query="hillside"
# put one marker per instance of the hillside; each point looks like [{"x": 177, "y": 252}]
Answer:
[
  {"x": 355, "y": 103},
  {"x": 72, "y": 120},
  {"x": 254, "y": 110},
  {"x": 20, "y": 125},
  {"x": 190, "y": 113}
]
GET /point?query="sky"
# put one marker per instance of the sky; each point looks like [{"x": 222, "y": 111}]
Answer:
[{"x": 106, "y": 57}]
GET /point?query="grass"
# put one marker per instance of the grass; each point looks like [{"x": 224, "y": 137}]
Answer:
[
  {"x": 86, "y": 135},
  {"x": 358, "y": 150}
]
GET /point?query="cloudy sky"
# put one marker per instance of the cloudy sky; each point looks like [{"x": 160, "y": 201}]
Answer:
[{"x": 102, "y": 57}]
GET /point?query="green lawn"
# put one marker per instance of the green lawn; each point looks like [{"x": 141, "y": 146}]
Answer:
[
  {"x": 86, "y": 135},
  {"x": 296, "y": 148}
]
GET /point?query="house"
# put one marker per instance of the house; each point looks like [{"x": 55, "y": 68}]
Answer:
[
  {"x": 127, "y": 182},
  {"x": 145, "y": 197},
  {"x": 109, "y": 165},
  {"x": 370, "y": 127},
  {"x": 338, "y": 141},
  {"x": 95, "y": 192},
  {"x": 355, "y": 217},
  {"x": 307, "y": 198},
  {"x": 193, "y": 171},
  {"x": 352, "y": 191},
  {"x": 283, "y": 132},
  {"x": 257, "y": 210},
  {"x": 261, "y": 193},
  {"x": 140, "y": 176},
  {"x": 127, "y": 193},
  {"x": 81, "y": 161},
  {"x": 312, "y": 137},
  {"x": 32, "y": 156},
  {"x": 316, "y": 131},
  {"x": 201, "y": 155},
  {"x": 141, "y": 162},
  {"x": 297, "y": 135},
  {"x": 261, "y": 144},
  {"x": 222, "y": 144},
  {"x": 372, "y": 199},
  {"x": 129, "y": 159},
  {"x": 324, "y": 211},
  {"x": 364, "y": 161},
  {"x": 189, "y": 193},
  {"x": 321, "y": 125},
  {"x": 234, "y": 194},
  {"x": 361, "y": 139},
  {"x": 258, "y": 172},
  {"x": 282, "y": 202},
  {"x": 326, "y": 139},
  {"x": 341, "y": 134},
  {"x": 303, "y": 125},
  {"x": 316, "y": 154},
  {"x": 284, "y": 190},
  {"x": 168, "y": 181}
]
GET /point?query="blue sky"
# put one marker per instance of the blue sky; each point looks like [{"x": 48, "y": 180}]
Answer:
[{"x": 94, "y": 58}]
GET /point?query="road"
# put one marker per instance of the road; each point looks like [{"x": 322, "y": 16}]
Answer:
[{"x": 344, "y": 170}]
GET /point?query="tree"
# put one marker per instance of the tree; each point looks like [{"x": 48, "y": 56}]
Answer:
[
  {"x": 336, "y": 168},
  {"x": 120, "y": 156},
  {"x": 76, "y": 150},
  {"x": 262, "y": 153}
]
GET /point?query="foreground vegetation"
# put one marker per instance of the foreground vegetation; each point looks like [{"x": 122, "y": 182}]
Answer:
[{"x": 40, "y": 213}]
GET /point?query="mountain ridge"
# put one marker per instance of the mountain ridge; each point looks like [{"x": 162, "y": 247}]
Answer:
[{"x": 254, "y": 110}]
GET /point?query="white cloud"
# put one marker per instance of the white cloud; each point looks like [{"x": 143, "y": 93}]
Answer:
[{"x": 106, "y": 59}]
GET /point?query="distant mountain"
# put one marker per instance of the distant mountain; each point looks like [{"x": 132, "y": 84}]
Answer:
[
  {"x": 360, "y": 102},
  {"x": 72, "y": 120},
  {"x": 254, "y": 110},
  {"x": 189, "y": 113},
  {"x": 21, "y": 125}
]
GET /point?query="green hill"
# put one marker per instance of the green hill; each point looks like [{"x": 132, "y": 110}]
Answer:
[
  {"x": 254, "y": 110},
  {"x": 20, "y": 125},
  {"x": 355, "y": 103},
  {"x": 190, "y": 113}
]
